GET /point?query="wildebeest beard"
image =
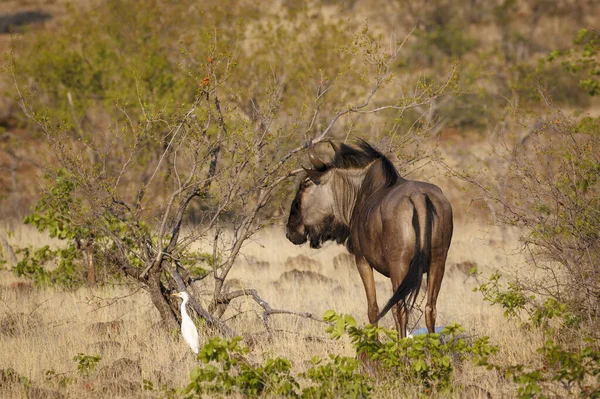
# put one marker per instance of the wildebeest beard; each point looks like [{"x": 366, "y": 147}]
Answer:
[{"x": 327, "y": 230}]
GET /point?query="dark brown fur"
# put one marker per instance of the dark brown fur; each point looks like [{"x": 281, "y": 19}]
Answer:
[{"x": 399, "y": 227}]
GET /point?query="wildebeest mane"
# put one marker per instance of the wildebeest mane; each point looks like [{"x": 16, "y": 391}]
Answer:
[
  {"x": 327, "y": 230},
  {"x": 348, "y": 157}
]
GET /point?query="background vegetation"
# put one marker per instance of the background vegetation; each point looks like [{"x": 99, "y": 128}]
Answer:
[{"x": 163, "y": 141}]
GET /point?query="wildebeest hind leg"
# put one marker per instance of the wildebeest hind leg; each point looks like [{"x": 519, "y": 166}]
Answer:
[
  {"x": 398, "y": 272},
  {"x": 401, "y": 318},
  {"x": 366, "y": 274},
  {"x": 434, "y": 282}
]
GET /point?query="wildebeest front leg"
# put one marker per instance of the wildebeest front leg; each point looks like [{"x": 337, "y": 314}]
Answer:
[{"x": 366, "y": 274}]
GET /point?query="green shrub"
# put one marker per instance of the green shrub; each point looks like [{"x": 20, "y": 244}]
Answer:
[
  {"x": 227, "y": 371},
  {"x": 426, "y": 362},
  {"x": 86, "y": 363},
  {"x": 48, "y": 267},
  {"x": 582, "y": 60},
  {"x": 571, "y": 364}
]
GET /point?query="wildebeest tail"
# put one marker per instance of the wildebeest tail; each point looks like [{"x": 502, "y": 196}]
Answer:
[{"x": 409, "y": 288}]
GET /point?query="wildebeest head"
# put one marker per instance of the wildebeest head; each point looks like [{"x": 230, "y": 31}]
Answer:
[
  {"x": 325, "y": 199},
  {"x": 312, "y": 208},
  {"x": 312, "y": 212}
]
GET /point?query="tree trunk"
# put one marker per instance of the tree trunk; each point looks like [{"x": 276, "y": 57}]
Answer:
[
  {"x": 159, "y": 300},
  {"x": 88, "y": 256},
  {"x": 86, "y": 246}
]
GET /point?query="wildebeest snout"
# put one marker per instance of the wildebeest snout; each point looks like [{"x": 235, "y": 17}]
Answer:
[{"x": 295, "y": 237}]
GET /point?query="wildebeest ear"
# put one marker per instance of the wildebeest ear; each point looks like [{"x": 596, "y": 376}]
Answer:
[{"x": 314, "y": 175}]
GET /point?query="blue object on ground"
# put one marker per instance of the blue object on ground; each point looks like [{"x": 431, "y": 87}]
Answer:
[{"x": 421, "y": 331}]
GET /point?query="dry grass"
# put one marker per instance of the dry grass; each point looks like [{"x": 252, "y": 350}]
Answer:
[{"x": 50, "y": 327}]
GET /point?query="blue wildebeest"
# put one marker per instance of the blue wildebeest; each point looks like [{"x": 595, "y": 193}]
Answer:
[{"x": 401, "y": 228}]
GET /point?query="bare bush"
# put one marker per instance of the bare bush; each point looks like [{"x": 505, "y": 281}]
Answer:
[{"x": 549, "y": 184}]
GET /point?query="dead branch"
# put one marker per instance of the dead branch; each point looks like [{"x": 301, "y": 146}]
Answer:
[{"x": 225, "y": 299}]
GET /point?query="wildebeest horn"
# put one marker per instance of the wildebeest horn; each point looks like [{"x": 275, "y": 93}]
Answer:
[
  {"x": 334, "y": 146},
  {"x": 314, "y": 159}
]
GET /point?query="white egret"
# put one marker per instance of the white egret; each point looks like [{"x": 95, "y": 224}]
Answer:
[{"x": 188, "y": 328}]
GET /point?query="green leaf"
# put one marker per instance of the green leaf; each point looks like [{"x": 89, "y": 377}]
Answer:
[
  {"x": 328, "y": 315},
  {"x": 350, "y": 320},
  {"x": 195, "y": 373},
  {"x": 340, "y": 326}
]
